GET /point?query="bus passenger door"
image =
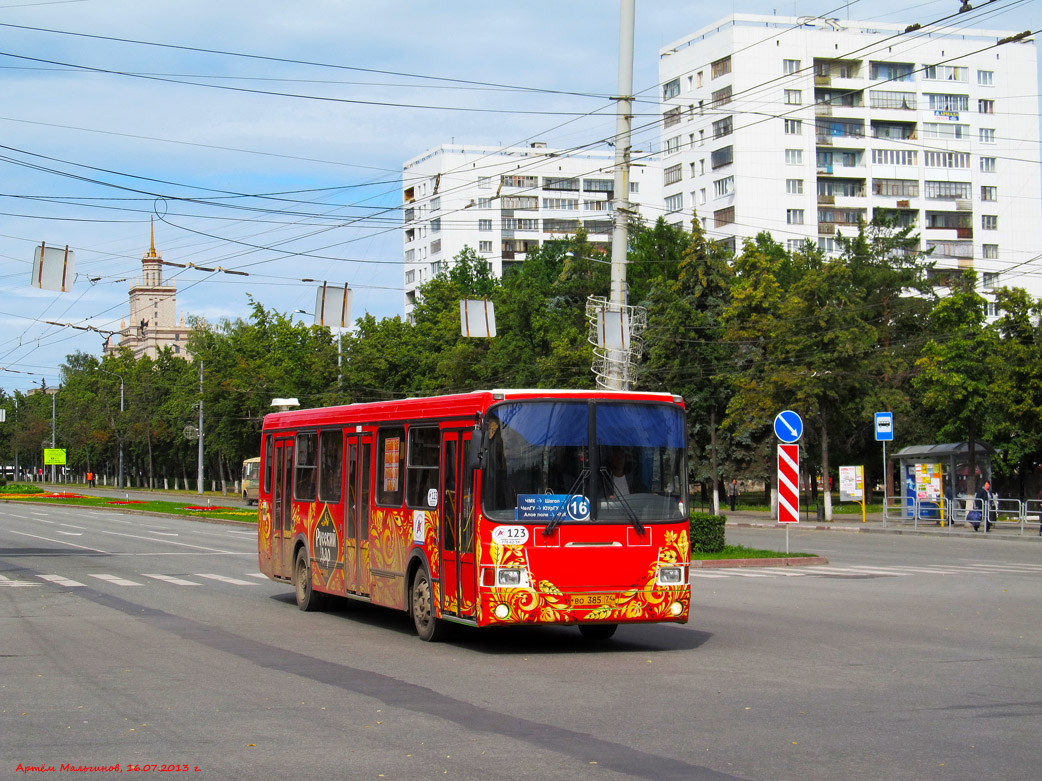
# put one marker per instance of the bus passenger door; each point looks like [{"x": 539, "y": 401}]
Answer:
[
  {"x": 356, "y": 536},
  {"x": 282, "y": 520},
  {"x": 456, "y": 499}
]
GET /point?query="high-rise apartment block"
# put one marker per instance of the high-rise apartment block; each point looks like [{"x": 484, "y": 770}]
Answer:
[
  {"x": 804, "y": 127},
  {"x": 504, "y": 202}
]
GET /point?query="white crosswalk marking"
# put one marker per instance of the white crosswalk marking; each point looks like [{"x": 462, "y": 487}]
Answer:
[
  {"x": 171, "y": 579},
  {"x": 225, "y": 579},
  {"x": 6, "y": 581},
  {"x": 114, "y": 579},
  {"x": 58, "y": 580}
]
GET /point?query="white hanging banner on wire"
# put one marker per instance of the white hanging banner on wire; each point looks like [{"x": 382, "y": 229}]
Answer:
[
  {"x": 477, "y": 317},
  {"x": 333, "y": 306},
  {"x": 52, "y": 268},
  {"x": 613, "y": 329}
]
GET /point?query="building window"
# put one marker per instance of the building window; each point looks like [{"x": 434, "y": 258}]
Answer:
[
  {"x": 986, "y": 78},
  {"x": 672, "y": 145},
  {"x": 484, "y": 203},
  {"x": 790, "y": 66},
  {"x": 990, "y": 251},
  {"x": 892, "y": 71},
  {"x": 794, "y": 157},
  {"x": 948, "y": 191},
  {"x": 436, "y": 225},
  {"x": 896, "y": 188},
  {"x": 987, "y": 135},
  {"x": 723, "y": 127},
  {"x": 634, "y": 187},
  {"x": 990, "y": 279},
  {"x": 793, "y": 127},
  {"x": 436, "y": 246},
  {"x": 827, "y": 244},
  {"x": 484, "y": 246},
  {"x": 671, "y": 117},
  {"x": 560, "y": 183},
  {"x": 989, "y": 193},
  {"x": 410, "y": 277},
  {"x": 723, "y": 217},
  {"x": 794, "y": 216},
  {"x": 672, "y": 174},
  {"x": 987, "y": 165},
  {"x": 948, "y": 102},
  {"x": 485, "y": 182},
  {"x": 674, "y": 203},
  {"x": 793, "y": 97},
  {"x": 700, "y": 78},
  {"x": 989, "y": 222},
  {"x": 702, "y": 196},
  {"x": 985, "y": 106},
  {"x": 720, "y": 68},
  {"x": 519, "y": 181},
  {"x": 722, "y": 157},
  {"x": 410, "y": 255},
  {"x": 945, "y": 130},
  {"x": 723, "y": 186},
  {"x": 794, "y": 186},
  {"x": 794, "y": 245},
  {"x": 519, "y": 202},
  {"x": 561, "y": 204},
  {"x": 519, "y": 224},
  {"x": 946, "y": 159},
  {"x": 897, "y": 100},
  {"x": 598, "y": 185},
  {"x": 722, "y": 97},
  {"x": 946, "y": 73},
  {"x": 484, "y": 225},
  {"x": 671, "y": 89}
]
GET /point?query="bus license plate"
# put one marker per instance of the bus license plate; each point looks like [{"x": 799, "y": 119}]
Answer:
[{"x": 592, "y": 600}]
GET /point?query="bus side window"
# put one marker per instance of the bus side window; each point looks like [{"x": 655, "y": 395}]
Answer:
[
  {"x": 422, "y": 471},
  {"x": 331, "y": 465},
  {"x": 269, "y": 461}
]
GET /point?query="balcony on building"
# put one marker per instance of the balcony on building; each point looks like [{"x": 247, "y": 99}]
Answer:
[{"x": 838, "y": 73}]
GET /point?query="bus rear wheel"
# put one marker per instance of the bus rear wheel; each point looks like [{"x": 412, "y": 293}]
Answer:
[
  {"x": 428, "y": 626},
  {"x": 307, "y": 599},
  {"x": 597, "y": 631}
]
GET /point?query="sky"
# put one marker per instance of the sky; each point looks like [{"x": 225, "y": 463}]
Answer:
[{"x": 268, "y": 137}]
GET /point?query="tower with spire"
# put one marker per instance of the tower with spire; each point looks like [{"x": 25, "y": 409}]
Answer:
[{"x": 153, "y": 313}]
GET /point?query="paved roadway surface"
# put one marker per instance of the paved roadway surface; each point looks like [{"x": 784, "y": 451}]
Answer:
[{"x": 135, "y": 639}]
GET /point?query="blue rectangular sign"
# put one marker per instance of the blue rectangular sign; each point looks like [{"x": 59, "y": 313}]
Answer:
[
  {"x": 539, "y": 507},
  {"x": 884, "y": 426}
]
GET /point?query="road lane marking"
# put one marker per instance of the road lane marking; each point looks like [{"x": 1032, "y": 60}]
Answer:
[
  {"x": 59, "y": 542},
  {"x": 225, "y": 579},
  {"x": 6, "y": 581},
  {"x": 260, "y": 575},
  {"x": 706, "y": 575},
  {"x": 58, "y": 580},
  {"x": 168, "y": 542},
  {"x": 72, "y": 526},
  {"x": 70, "y": 534},
  {"x": 115, "y": 579},
  {"x": 171, "y": 579}
]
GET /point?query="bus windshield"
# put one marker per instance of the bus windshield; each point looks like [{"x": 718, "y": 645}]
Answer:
[{"x": 585, "y": 461}]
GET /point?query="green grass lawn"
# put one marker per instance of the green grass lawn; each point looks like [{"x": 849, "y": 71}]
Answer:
[
  {"x": 186, "y": 507},
  {"x": 742, "y": 552}
]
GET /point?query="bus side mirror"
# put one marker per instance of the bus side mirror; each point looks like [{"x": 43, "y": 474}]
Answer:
[{"x": 477, "y": 449}]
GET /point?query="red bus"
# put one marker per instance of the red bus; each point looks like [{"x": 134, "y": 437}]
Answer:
[{"x": 486, "y": 508}]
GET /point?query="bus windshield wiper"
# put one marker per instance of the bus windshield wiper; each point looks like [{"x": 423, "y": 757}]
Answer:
[
  {"x": 609, "y": 488},
  {"x": 556, "y": 521}
]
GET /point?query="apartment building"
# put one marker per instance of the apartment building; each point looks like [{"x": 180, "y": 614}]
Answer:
[
  {"x": 803, "y": 127},
  {"x": 505, "y": 202}
]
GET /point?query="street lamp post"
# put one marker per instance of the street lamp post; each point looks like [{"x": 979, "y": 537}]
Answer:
[{"x": 104, "y": 371}]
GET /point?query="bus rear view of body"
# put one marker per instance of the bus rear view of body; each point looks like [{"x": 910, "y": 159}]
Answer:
[{"x": 488, "y": 508}]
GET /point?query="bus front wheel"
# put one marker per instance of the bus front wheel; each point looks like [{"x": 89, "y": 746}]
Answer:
[
  {"x": 428, "y": 626},
  {"x": 307, "y": 599},
  {"x": 597, "y": 631}
]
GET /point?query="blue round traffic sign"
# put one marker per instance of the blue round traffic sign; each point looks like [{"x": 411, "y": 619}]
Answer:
[{"x": 788, "y": 426}]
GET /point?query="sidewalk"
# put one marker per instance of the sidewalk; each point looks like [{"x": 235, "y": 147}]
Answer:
[{"x": 875, "y": 524}]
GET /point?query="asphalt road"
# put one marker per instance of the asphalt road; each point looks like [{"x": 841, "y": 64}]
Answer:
[{"x": 150, "y": 641}]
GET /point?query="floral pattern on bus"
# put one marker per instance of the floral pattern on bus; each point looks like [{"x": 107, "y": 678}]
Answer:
[
  {"x": 390, "y": 538},
  {"x": 545, "y": 603},
  {"x": 527, "y": 604},
  {"x": 264, "y": 527},
  {"x": 648, "y": 599}
]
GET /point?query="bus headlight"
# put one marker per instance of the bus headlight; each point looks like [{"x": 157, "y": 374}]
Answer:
[
  {"x": 509, "y": 577},
  {"x": 502, "y": 611},
  {"x": 670, "y": 576},
  {"x": 676, "y": 609}
]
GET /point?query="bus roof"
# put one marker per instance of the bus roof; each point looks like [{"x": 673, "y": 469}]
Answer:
[{"x": 452, "y": 405}]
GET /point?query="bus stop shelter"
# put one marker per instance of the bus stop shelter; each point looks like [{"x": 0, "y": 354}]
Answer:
[{"x": 934, "y": 472}]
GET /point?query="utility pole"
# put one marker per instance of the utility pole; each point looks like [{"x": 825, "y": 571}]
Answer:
[
  {"x": 199, "y": 464},
  {"x": 617, "y": 378},
  {"x": 54, "y": 468}
]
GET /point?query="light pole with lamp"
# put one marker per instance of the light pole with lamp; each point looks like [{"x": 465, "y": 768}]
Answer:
[{"x": 105, "y": 371}]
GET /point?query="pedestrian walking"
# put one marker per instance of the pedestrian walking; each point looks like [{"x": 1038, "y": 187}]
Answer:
[
  {"x": 982, "y": 499},
  {"x": 732, "y": 493}
]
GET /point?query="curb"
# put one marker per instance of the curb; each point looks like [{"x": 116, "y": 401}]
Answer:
[
  {"x": 796, "y": 561},
  {"x": 145, "y": 513}
]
